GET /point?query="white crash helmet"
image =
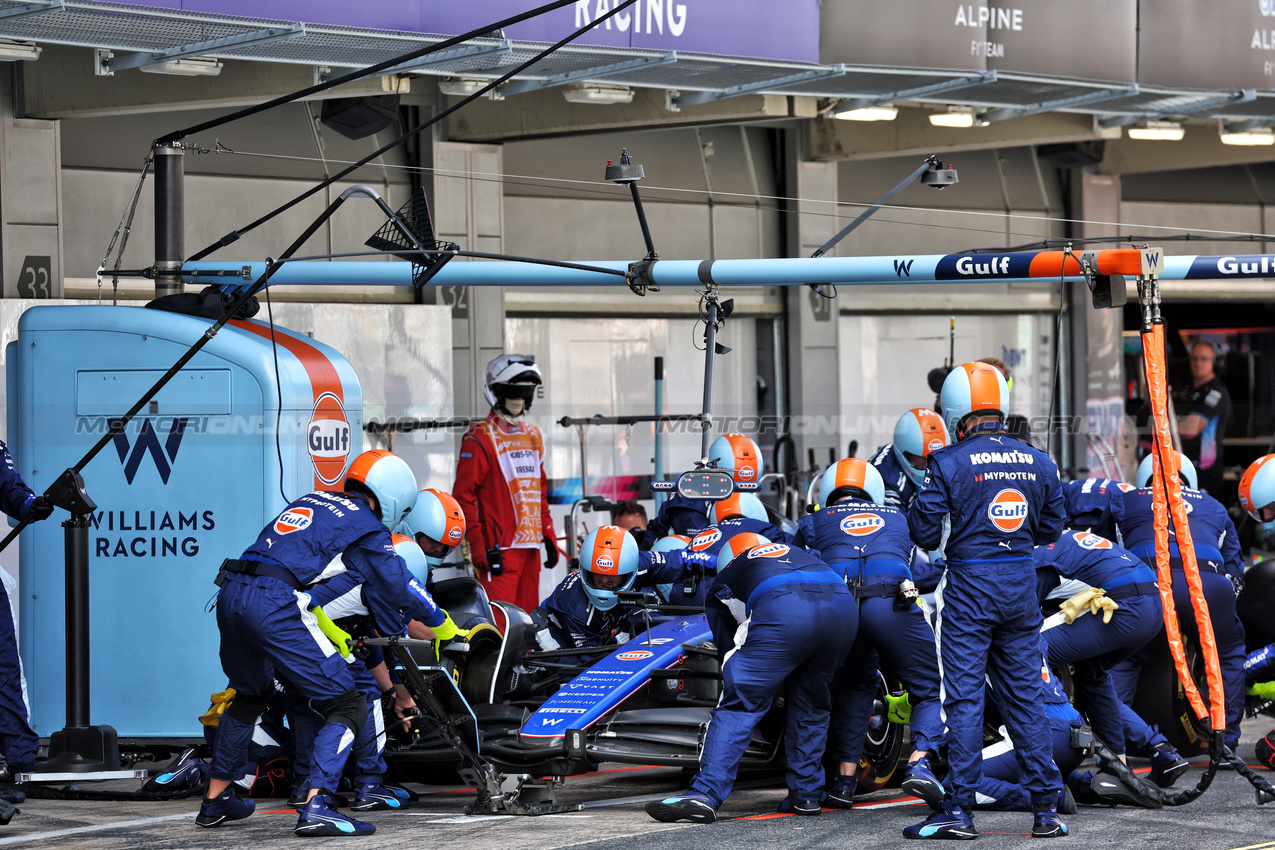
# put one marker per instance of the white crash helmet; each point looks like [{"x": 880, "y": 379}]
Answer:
[
  {"x": 387, "y": 478},
  {"x": 969, "y": 389},
  {"x": 739, "y": 504},
  {"x": 438, "y": 516},
  {"x": 511, "y": 375},
  {"x": 412, "y": 555},
  {"x": 1186, "y": 470},
  {"x": 918, "y": 432}
]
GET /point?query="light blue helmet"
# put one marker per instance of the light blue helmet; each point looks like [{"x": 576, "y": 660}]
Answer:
[
  {"x": 738, "y": 454},
  {"x": 608, "y": 565},
  {"x": 438, "y": 517},
  {"x": 739, "y": 504},
  {"x": 738, "y": 545},
  {"x": 386, "y": 477},
  {"x": 413, "y": 556},
  {"x": 918, "y": 432},
  {"x": 669, "y": 543},
  {"x": 851, "y": 474},
  {"x": 972, "y": 389},
  {"x": 1187, "y": 471}
]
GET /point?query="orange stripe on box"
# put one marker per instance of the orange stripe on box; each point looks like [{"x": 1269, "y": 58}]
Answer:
[{"x": 323, "y": 375}]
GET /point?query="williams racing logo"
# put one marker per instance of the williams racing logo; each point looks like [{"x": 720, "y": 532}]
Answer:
[
  {"x": 148, "y": 445},
  {"x": 293, "y": 519},
  {"x": 1008, "y": 510},
  {"x": 863, "y": 524}
]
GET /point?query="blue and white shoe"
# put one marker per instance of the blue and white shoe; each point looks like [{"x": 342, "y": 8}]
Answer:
[
  {"x": 950, "y": 821},
  {"x": 214, "y": 811},
  {"x": 1048, "y": 825},
  {"x": 407, "y": 795},
  {"x": 840, "y": 793},
  {"x": 184, "y": 773},
  {"x": 317, "y": 819},
  {"x": 377, "y": 798},
  {"x": 691, "y": 806},
  {"x": 920, "y": 781},
  {"x": 301, "y": 795},
  {"x": 794, "y": 805},
  {"x": 1167, "y": 765}
]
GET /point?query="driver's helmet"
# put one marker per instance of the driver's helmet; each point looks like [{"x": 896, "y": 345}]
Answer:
[
  {"x": 1257, "y": 491},
  {"x": 851, "y": 476},
  {"x": 671, "y": 542},
  {"x": 1186, "y": 470},
  {"x": 739, "y": 504},
  {"x": 737, "y": 454},
  {"x": 608, "y": 565},
  {"x": 436, "y": 523},
  {"x": 917, "y": 433},
  {"x": 511, "y": 376},
  {"x": 413, "y": 556},
  {"x": 387, "y": 478},
  {"x": 972, "y": 389},
  {"x": 736, "y": 546}
]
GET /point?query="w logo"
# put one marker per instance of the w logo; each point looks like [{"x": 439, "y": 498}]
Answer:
[
  {"x": 904, "y": 268},
  {"x": 148, "y": 443}
]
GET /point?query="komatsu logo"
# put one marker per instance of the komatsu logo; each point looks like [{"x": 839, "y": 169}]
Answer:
[
  {"x": 1000, "y": 457},
  {"x": 1008, "y": 510},
  {"x": 861, "y": 525}
]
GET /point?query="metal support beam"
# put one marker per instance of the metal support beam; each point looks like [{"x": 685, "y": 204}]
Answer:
[
  {"x": 597, "y": 73},
  {"x": 1061, "y": 103},
  {"x": 1206, "y": 104},
  {"x": 698, "y": 97},
  {"x": 26, "y": 10},
  {"x": 203, "y": 48},
  {"x": 456, "y": 54},
  {"x": 918, "y": 93}
]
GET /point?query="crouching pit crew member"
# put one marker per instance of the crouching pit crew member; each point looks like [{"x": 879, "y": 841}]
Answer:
[
  {"x": 987, "y": 500},
  {"x": 776, "y": 613},
  {"x": 267, "y": 628},
  {"x": 867, "y": 542}
]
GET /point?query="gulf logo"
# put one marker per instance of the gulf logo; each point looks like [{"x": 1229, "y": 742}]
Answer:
[
  {"x": 773, "y": 550},
  {"x": 746, "y": 472},
  {"x": 705, "y": 539},
  {"x": 861, "y": 525},
  {"x": 453, "y": 534},
  {"x": 603, "y": 563},
  {"x": 1008, "y": 510},
  {"x": 328, "y": 439},
  {"x": 293, "y": 519},
  {"x": 635, "y": 655},
  {"x": 935, "y": 445},
  {"x": 1125, "y": 488},
  {"x": 1089, "y": 540}
]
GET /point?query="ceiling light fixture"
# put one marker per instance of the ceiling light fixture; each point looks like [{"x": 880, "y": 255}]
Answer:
[
  {"x": 461, "y": 86},
  {"x": 955, "y": 116},
  {"x": 24, "y": 51},
  {"x": 868, "y": 113},
  {"x": 595, "y": 93},
  {"x": 194, "y": 67},
  {"x": 1157, "y": 131},
  {"x": 1251, "y": 136}
]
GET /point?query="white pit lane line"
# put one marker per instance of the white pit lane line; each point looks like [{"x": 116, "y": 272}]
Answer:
[{"x": 100, "y": 827}]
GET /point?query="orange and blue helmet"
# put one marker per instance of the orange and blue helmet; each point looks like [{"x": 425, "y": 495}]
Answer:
[
  {"x": 736, "y": 546},
  {"x": 973, "y": 389},
  {"x": 737, "y": 454},
  {"x": 387, "y": 478},
  {"x": 437, "y": 516},
  {"x": 917, "y": 433},
  {"x": 738, "y": 504},
  {"x": 1257, "y": 491},
  {"x": 851, "y": 476},
  {"x": 413, "y": 556},
  {"x": 608, "y": 565}
]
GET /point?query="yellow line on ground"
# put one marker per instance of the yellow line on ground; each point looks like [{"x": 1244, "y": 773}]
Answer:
[{"x": 1265, "y": 845}]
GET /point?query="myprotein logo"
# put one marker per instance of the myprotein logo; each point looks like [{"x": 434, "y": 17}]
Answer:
[
  {"x": 328, "y": 439},
  {"x": 293, "y": 519},
  {"x": 861, "y": 525},
  {"x": 148, "y": 444},
  {"x": 1008, "y": 510},
  {"x": 1089, "y": 540}
]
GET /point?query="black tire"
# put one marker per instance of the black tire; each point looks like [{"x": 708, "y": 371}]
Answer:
[
  {"x": 886, "y": 747},
  {"x": 1161, "y": 700}
]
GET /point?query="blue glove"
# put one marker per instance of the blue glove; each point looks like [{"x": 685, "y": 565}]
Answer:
[{"x": 698, "y": 561}]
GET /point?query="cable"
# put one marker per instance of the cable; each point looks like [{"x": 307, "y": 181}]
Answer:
[
  {"x": 278, "y": 385},
  {"x": 548, "y": 51},
  {"x": 1058, "y": 353},
  {"x": 498, "y": 178},
  {"x": 359, "y": 73}
]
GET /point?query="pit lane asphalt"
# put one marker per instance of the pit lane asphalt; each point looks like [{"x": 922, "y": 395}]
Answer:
[{"x": 1226, "y": 817}]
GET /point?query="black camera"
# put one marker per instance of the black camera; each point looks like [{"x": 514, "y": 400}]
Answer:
[{"x": 493, "y": 561}]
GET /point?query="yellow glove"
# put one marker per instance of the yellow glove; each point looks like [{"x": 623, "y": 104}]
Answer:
[
  {"x": 340, "y": 637},
  {"x": 1107, "y": 606},
  {"x": 899, "y": 708},
  {"x": 1089, "y": 601},
  {"x": 220, "y": 702},
  {"x": 448, "y": 630},
  {"x": 1265, "y": 690}
]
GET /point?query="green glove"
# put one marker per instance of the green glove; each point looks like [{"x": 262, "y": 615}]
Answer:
[
  {"x": 448, "y": 630},
  {"x": 1265, "y": 690},
  {"x": 900, "y": 708},
  {"x": 340, "y": 637}
]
